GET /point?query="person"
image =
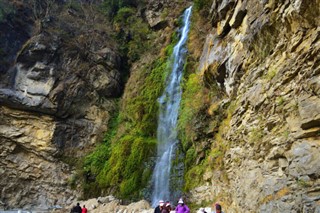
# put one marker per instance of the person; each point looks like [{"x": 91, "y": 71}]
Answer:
[
  {"x": 77, "y": 209},
  {"x": 84, "y": 209},
  {"x": 159, "y": 207},
  {"x": 182, "y": 208},
  {"x": 167, "y": 208},
  {"x": 218, "y": 208},
  {"x": 202, "y": 210},
  {"x": 168, "y": 205}
]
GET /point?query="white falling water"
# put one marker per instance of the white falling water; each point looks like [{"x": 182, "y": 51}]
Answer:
[{"x": 168, "y": 116}]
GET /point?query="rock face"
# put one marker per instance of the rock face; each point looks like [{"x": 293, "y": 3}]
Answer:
[
  {"x": 55, "y": 105},
  {"x": 58, "y": 81},
  {"x": 160, "y": 14},
  {"x": 265, "y": 56}
]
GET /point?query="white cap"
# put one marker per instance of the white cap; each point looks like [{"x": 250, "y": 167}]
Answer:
[{"x": 180, "y": 200}]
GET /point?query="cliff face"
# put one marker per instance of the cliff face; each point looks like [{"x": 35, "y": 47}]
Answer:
[
  {"x": 254, "y": 143},
  {"x": 60, "y": 84},
  {"x": 56, "y": 97},
  {"x": 264, "y": 55}
]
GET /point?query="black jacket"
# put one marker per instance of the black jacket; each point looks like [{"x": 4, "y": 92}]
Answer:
[
  {"x": 77, "y": 209},
  {"x": 157, "y": 210}
]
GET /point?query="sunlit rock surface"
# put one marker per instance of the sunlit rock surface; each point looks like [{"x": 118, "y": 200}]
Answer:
[
  {"x": 55, "y": 102},
  {"x": 265, "y": 56}
]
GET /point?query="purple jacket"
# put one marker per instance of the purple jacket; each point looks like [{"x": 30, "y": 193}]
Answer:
[{"x": 182, "y": 209}]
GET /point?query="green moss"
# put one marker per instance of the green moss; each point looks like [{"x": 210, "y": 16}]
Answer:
[
  {"x": 256, "y": 135},
  {"x": 133, "y": 149},
  {"x": 200, "y": 4},
  {"x": 141, "y": 111},
  {"x": 270, "y": 74},
  {"x": 125, "y": 154},
  {"x": 111, "y": 7},
  {"x": 133, "y": 33},
  {"x": 286, "y": 134},
  {"x": 193, "y": 177},
  {"x": 72, "y": 182},
  {"x": 96, "y": 160},
  {"x": 213, "y": 157},
  {"x": 190, "y": 157},
  {"x": 123, "y": 16},
  {"x": 304, "y": 183},
  {"x": 191, "y": 103},
  {"x": 280, "y": 100},
  {"x": 165, "y": 13}
]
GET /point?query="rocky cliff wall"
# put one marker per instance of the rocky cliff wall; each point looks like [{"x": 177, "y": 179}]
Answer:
[
  {"x": 56, "y": 98},
  {"x": 59, "y": 89},
  {"x": 264, "y": 55},
  {"x": 59, "y": 82}
]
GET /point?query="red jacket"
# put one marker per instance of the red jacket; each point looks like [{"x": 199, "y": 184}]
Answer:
[{"x": 84, "y": 210}]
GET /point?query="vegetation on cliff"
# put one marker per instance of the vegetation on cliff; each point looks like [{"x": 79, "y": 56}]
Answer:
[
  {"x": 250, "y": 100},
  {"x": 122, "y": 164},
  {"x": 204, "y": 117},
  {"x": 127, "y": 168}
]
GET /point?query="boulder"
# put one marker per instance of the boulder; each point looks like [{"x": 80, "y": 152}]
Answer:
[{"x": 309, "y": 111}]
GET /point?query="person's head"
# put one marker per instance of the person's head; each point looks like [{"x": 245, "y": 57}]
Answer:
[
  {"x": 78, "y": 204},
  {"x": 84, "y": 206},
  {"x": 180, "y": 202},
  {"x": 161, "y": 203},
  {"x": 168, "y": 205},
  {"x": 218, "y": 208}
]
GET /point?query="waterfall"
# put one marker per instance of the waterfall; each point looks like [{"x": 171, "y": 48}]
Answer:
[{"x": 168, "y": 116}]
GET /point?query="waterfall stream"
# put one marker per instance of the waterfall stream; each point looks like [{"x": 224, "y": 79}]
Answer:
[{"x": 168, "y": 116}]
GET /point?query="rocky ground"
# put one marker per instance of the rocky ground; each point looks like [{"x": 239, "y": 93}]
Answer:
[{"x": 110, "y": 204}]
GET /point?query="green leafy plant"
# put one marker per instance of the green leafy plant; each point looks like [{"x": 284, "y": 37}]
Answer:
[
  {"x": 201, "y": 4},
  {"x": 111, "y": 7}
]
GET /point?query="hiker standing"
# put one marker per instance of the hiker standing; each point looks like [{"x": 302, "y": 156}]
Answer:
[
  {"x": 182, "y": 208},
  {"x": 201, "y": 210},
  {"x": 218, "y": 208},
  {"x": 77, "y": 208},
  {"x": 167, "y": 208},
  {"x": 84, "y": 209},
  {"x": 159, "y": 207}
]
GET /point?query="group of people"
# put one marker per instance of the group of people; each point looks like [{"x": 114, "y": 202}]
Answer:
[
  {"x": 165, "y": 207},
  {"x": 217, "y": 209},
  {"x": 78, "y": 209}
]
